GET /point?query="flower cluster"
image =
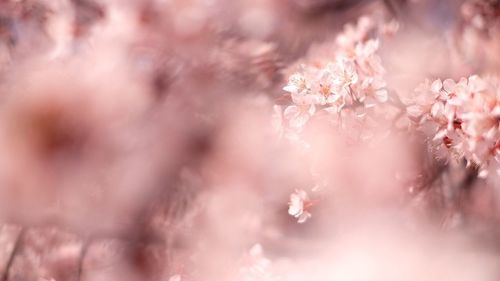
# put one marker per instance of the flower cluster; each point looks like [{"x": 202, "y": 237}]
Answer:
[
  {"x": 341, "y": 81},
  {"x": 346, "y": 74},
  {"x": 463, "y": 117}
]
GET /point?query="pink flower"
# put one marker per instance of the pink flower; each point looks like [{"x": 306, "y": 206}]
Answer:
[
  {"x": 345, "y": 74},
  {"x": 298, "y": 205},
  {"x": 365, "y": 56},
  {"x": 298, "y": 115},
  {"x": 340, "y": 81},
  {"x": 371, "y": 91},
  {"x": 296, "y": 84},
  {"x": 255, "y": 265},
  {"x": 464, "y": 116},
  {"x": 425, "y": 97},
  {"x": 325, "y": 87},
  {"x": 175, "y": 277}
]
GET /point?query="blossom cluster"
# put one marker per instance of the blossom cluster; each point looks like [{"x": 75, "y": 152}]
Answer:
[
  {"x": 345, "y": 74},
  {"x": 342, "y": 81},
  {"x": 463, "y": 117}
]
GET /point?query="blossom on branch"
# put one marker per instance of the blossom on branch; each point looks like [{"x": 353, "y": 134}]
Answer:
[{"x": 463, "y": 117}]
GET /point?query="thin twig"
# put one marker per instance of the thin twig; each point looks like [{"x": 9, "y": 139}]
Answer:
[
  {"x": 83, "y": 253},
  {"x": 395, "y": 100},
  {"x": 10, "y": 261},
  {"x": 464, "y": 188},
  {"x": 391, "y": 7}
]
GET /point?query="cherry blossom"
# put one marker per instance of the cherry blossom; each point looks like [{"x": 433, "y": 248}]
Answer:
[
  {"x": 464, "y": 118},
  {"x": 296, "y": 83},
  {"x": 299, "y": 204},
  {"x": 177, "y": 159},
  {"x": 175, "y": 277},
  {"x": 425, "y": 98},
  {"x": 255, "y": 265},
  {"x": 350, "y": 73}
]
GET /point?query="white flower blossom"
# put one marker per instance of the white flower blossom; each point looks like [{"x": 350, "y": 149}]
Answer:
[
  {"x": 176, "y": 277},
  {"x": 298, "y": 205}
]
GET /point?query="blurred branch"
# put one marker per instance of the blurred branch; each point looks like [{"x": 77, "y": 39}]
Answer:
[
  {"x": 395, "y": 100},
  {"x": 81, "y": 258},
  {"x": 465, "y": 187},
  {"x": 15, "y": 250},
  {"x": 391, "y": 7}
]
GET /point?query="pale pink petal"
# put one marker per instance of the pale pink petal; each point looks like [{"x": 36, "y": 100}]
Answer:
[
  {"x": 291, "y": 112},
  {"x": 415, "y": 110},
  {"x": 382, "y": 95},
  {"x": 304, "y": 217},
  {"x": 449, "y": 85},
  {"x": 290, "y": 89},
  {"x": 436, "y": 86},
  {"x": 175, "y": 277}
]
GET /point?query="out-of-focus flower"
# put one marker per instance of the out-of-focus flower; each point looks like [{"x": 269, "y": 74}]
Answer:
[
  {"x": 175, "y": 277},
  {"x": 299, "y": 205},
  {"x": 298, "y": 116},
  {"x": 481, "y": 14},
  {"x": 62, "y": 132},
  {"x": 478, "y": 38},
  {"x": 255, "y": 265},
  {"x": 356, "y": 33}
]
